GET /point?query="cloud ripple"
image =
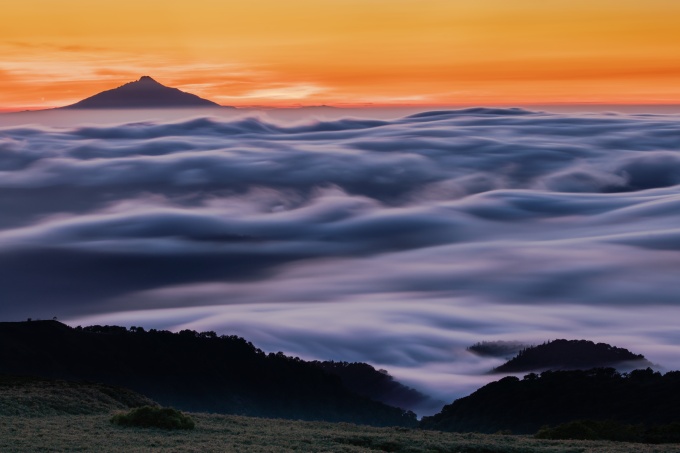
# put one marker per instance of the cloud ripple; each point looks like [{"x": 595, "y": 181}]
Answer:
[{"x": 395, "y": 242}]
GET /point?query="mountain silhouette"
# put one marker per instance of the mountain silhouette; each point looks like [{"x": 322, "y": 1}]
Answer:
[{"x": 143, "y": 93}]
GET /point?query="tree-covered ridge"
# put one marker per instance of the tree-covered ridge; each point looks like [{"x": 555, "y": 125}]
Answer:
[
  {"x": 193, "y": 371},
  {"x": 505, "y": 349},
  {"x": 378, "y": 385},
  {"x": 554, "y": 397},
  {"x": 571, "y": 354}
]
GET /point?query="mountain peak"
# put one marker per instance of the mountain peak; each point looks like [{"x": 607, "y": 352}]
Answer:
[
  {"x": 147, "y": 79},
  {"x": 145, "y": 93}
]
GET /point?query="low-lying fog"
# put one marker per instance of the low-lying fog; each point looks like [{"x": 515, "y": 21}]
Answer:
[{"x": 350, "y": 235}]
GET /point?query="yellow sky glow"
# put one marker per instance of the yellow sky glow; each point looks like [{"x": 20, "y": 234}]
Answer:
[{"x": 345, "y": 52}]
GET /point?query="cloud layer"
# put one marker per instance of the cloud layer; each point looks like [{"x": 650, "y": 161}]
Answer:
[{"x": 397, "y": 242}]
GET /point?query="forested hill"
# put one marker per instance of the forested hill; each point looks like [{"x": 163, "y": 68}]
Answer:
[
  {"x": 554, "y": 397},
  {"x": 572, "y": 355},
  {"x": 200, "y": 372},
  {"x": 365, "y": 380}
]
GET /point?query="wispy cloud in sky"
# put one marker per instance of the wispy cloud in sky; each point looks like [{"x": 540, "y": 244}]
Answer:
[
  {"x": 68, "y": 74},
  {"x": 431, "y": 52}
]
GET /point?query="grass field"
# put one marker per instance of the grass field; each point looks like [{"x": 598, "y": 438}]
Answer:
[
  {"x": 52, "y": 415},
  {"x": 217, "y": 433}
]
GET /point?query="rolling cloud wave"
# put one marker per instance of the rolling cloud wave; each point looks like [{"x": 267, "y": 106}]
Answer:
[{"x": 394, "y": 242}]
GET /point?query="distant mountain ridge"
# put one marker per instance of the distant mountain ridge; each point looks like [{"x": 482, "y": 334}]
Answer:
[
  {"x": 572, "y": 355},
  {"x": 143, "y": 93}
]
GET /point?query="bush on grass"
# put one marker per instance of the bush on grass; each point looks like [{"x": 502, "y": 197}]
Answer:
[
  {"x": 154, "y": 417},
  {"x": 612, "y": 430}
]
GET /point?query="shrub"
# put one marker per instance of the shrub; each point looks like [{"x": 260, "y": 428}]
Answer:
[
  {"x": 154, "y": 417},
  {"x": 664, "y": 434},
  {"x": 607, "y": 430},
  {"x": 578, "y": 429}
]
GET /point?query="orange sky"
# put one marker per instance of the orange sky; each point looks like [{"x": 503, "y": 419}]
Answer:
[{"x": 345, "y": 52}]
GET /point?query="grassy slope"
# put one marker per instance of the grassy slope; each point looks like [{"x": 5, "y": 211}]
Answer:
[
  {"x": 35, "y": 397},
  {"x": 41, "y": 415},
  {"x": 245, "y": 434}
]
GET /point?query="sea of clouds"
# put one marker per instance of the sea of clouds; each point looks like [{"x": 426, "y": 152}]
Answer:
[{"x": 395, "y": 242}]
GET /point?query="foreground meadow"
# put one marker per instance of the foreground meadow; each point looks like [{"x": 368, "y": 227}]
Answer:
[{"x": 215, "y": 433}]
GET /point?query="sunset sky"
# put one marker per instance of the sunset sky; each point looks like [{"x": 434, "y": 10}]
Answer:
[{"x": 345, "y": 52}]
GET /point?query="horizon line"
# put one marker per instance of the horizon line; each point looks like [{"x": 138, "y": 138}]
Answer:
[{"x": 368, "y": 105}]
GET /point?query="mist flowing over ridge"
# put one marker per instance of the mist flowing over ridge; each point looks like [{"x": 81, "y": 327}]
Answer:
[
  {"x": 393, "y": 242},
  {"x": 200, "y": 372}
]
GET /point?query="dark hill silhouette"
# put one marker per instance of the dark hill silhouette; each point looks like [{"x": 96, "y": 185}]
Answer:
[
  {"x": 378, "y": 385},
  {"x": 555, "y": 397},
  {"x": 143, "y": 93},
  {"x": 199, "y": 372},
  {"x": 504, "y": 349},
  {"x": 572, "y": 355}
]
